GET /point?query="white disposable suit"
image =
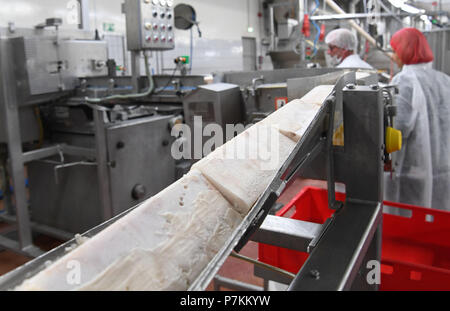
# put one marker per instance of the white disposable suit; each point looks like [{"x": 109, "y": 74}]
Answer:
[{"x": 422, "y": 167}]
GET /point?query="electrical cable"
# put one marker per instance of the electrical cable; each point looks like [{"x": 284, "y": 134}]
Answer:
[{"x": 128, "y": 96}]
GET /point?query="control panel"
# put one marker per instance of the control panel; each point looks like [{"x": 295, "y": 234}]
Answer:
[{"x": 150, "y": 24}]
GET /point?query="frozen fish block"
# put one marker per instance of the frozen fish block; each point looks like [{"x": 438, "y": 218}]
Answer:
[
  {"x": 294, "y": 118},
  {"x": 147, "y": 228},
  {"x": 177, "y": 263},
  {"x": 243, "y": 168}
]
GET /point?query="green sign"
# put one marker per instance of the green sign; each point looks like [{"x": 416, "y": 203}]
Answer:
[{"x": 108, "y": 27}]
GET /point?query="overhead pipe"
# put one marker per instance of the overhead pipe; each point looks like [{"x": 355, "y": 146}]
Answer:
[
  {"x": 272, "y": 28},
  {"x": 358, "y": 28}
]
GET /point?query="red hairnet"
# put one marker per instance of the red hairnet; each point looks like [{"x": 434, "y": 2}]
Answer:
[{"x": 411, "y": 46}]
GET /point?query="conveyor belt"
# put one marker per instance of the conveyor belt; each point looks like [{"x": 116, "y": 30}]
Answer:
[{"x": 312, "y": 143}]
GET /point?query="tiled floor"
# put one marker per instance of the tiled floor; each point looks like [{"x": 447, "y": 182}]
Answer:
[{"x": 233, "y": 268}]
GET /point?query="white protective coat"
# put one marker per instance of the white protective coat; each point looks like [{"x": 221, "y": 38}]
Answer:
[{"x": 422, "y": 174}]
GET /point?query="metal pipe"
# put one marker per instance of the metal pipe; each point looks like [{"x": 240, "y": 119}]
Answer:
[
  {"x": 84, "y": 18},
  {"x": 135, "y": 69},
  {"x": 358, "y": 28},
  {"x": 272, "y": 28},
  {"x": 332, "y": 17},
  {"x": 301, "y": 11},
  {"x": 302, "y": 5},
  {"x": 103, "y": 167},
  {"x": 9, "y": 108}
]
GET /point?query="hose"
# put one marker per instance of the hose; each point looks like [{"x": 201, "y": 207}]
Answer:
[{"x": 128, "y": 96}]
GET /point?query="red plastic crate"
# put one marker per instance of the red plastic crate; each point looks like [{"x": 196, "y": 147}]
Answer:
[{"x": 415, "y": 249}]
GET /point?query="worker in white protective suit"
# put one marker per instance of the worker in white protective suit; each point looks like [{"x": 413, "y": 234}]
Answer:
[
  {"x": 342, "y": 45},
  {"x": 422, "y": 167}
]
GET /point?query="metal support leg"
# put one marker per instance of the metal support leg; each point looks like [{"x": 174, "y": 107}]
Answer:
[
  {"x": 136, "y": 70},
  {"x": 335, "y": 263},
  {"x": 9, "y": 104},
  {"x": 4, "y": 179},
  {"x": 366, "y": 279},
  {"x": 103, "y": 164}
]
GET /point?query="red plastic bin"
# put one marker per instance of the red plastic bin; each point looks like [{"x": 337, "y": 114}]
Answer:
[{"x": 415, "y": 247}]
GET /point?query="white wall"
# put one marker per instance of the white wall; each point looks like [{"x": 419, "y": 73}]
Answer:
[{"x": 222, "y": 22}]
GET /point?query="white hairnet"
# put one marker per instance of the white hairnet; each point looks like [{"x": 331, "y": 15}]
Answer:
[{"x": 342, "y": 38}]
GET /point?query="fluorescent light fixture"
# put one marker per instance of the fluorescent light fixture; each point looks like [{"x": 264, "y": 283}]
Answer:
[{"x": 397, "y": 3}]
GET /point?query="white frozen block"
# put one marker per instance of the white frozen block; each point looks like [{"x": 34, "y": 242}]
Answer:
[
  {"x": 294, "y": 118},
  {"x": 178, "y": 262},
  {"x": 243, "y": 168},
  {"x": 148, "y": 227},
  {"x": 318, "y": 94}
]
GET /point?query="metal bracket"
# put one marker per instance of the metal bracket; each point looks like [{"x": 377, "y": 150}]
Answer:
[
  {"x": 273, "y": 196},
  {"x": 324, "y": 228}
]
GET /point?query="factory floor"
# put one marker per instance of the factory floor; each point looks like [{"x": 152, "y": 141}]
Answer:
[{"x": 233, "y": 268}]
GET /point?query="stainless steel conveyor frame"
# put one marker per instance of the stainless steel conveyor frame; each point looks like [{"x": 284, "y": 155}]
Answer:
[{"x": 351, "y": 237}]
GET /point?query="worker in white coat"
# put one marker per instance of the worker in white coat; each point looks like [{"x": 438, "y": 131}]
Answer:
[
  {"x": 422, "y": 167},
  {"x": 342, "y": 45}
]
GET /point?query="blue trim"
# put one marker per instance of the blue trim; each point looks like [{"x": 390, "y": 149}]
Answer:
[{"x": 27, "y": 184}]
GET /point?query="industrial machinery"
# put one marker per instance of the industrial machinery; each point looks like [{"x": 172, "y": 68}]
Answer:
[
  {"x": 92, "y": 144},
  {"x": 263, "y": 92},
  {"x": 96, "y": 145},
  {"x": 150, "y": 25},
  {"x": 109, "y": 144},
  {"x": 351, "y": 237}
]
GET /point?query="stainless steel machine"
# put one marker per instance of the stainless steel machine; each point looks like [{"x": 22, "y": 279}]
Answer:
[
  {"x": 87, "y": 157},
  {"x": 96, "y": 146},
  {"x": 85, "y": 162},
  {"x": 263, "y": 92},
  {"x": 341, "y": 247}
]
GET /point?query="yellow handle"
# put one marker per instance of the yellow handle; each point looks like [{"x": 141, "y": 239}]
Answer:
[{"x": 393, "y": 140}]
